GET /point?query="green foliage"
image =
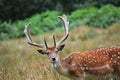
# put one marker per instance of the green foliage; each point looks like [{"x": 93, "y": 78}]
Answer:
[
  {"x": 96, "y": 17},
  {"x": 6, "y": 29},
  {"x": 105, "y": 16},
  {"x": 48, "y": 21},
  {"x": 82, "y": 16}
]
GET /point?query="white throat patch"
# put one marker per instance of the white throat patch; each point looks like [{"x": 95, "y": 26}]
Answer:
[{"x": 55, "y": 65}]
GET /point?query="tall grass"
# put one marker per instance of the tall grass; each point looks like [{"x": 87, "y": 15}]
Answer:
[{"x": 19, "y": 61}]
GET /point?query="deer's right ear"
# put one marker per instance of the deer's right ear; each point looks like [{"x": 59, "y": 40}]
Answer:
[{"x": 42, "y": 51}]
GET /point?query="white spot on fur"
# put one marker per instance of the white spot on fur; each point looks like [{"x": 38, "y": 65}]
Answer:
[
  {"x": 73, "y": 64},
  {"x": 118, "y": 53}
]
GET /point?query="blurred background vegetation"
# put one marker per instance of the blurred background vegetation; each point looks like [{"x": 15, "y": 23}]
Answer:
[{"x": 14, "y": 14}]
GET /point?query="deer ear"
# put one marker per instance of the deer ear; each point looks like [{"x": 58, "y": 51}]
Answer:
[
  {"x": 60, "y": 48},
  {"x": 42, "y": 51}
]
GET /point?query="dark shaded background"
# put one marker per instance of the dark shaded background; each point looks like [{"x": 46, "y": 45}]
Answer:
[{"x": 21, "y": 9}]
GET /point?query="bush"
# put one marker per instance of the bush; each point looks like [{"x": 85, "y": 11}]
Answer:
[
  {"x": 96, "y": 17},
  {"x": 105, "y": 16},
  {"x": 46, "y": 21},
  {"x": 6, "y": 30},
  {"x": 82, "y": 16}
]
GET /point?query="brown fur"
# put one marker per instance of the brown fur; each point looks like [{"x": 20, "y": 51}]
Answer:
[{"x": 100, "y": 61}]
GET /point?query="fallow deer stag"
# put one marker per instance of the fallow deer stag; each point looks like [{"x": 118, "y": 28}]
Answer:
[{"x": 100, "y": 61}]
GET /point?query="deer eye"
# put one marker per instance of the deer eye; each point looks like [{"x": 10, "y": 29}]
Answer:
[{"x": 56, "y": 51}]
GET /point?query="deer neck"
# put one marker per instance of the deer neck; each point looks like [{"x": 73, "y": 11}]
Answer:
[{"x": 61, "y": 66}]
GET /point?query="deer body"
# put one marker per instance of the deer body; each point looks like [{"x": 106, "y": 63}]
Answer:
[{"x": 100, "y": 61}]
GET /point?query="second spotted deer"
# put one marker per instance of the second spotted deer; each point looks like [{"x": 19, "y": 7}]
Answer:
[{"x": 99, "y": 61}]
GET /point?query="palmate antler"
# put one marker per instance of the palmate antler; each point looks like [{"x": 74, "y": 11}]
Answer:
[{"x": 31, "y": 42}]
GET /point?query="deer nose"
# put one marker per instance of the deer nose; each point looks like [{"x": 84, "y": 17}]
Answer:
[{"x": 53, "y": 59}]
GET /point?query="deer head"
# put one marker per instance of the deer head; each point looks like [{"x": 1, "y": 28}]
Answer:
[{"x": 52, "y": 51}]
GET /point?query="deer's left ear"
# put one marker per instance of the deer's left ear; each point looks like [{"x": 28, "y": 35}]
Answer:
[{"x": 60, "y": 48}]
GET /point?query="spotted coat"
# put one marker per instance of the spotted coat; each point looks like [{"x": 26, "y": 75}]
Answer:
[{"x": 100, "y": 61}]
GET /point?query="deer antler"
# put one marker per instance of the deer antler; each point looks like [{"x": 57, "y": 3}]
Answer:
[
  {"x": 30, "y": 41},
  {"x": 66, "y": 23}
]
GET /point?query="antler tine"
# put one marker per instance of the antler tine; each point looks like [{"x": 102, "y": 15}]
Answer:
[
  {"x": 66, "y": 23},
  {"x": 30, "y": 41},
  {"x": 54, "y": 41},
  {"x": 45, "y": 43}
]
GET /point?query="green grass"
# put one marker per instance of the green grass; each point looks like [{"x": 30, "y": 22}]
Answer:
[{"x": 19, "y": 61}]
